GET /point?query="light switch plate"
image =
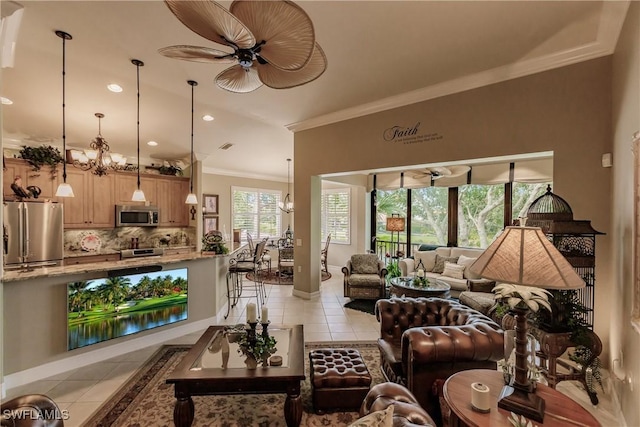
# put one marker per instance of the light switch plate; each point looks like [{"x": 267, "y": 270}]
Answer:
[{"x": 298, "y": 242}]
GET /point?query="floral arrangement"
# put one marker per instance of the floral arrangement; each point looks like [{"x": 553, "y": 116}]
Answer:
[
  {"x": 213, "y": 242},
  {"x": 260, "y": 348},
  {"x": 420, "y": 281}
]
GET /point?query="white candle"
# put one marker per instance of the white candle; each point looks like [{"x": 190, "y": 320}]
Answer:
[
  {"x": 265, "y": 314},
  {"x": 480, "y": 397},
  {"x": 251, "y": 313},
  {"x": 420, "y": 273}
]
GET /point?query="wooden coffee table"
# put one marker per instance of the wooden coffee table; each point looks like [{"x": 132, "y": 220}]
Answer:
[
  {"x": 560, "y": 410},
  {"x": 405, "y": 286},
  {"x": 201, "y": 373}
]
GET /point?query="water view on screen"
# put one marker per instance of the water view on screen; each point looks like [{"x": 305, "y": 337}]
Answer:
[{"x": 102, "y": 309}]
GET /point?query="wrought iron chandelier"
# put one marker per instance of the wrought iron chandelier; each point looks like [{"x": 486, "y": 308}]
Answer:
[
  {"x": 98, "y": 156},
  {"x": 287, "y": 205}
]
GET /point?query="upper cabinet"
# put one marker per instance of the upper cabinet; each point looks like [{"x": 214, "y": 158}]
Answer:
[
  {"x": 93, "y": 205},
  {"x": 127, "y": 183},
  {"x": 96, "y": 196},
  {"x": 43, "y": 178},
  {"x": 171, "y": 196}
]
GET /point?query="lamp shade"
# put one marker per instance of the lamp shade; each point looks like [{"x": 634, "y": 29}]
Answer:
[
  {"x": 138, "y": 196},
  {"x": 395, "y": 224},
  {"x": 191, "y": 199},
  {"x": 524, "y": 256},
  {"x": 64, "y": 190}
]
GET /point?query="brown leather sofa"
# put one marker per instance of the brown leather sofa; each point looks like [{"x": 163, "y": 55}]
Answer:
[
  {"x": 426, "y": 339},
  {"x": 407, "y": 412},
  {"x": 32, "y": 410}
]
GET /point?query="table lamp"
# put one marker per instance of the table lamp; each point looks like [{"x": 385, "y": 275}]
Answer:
[{"x": 524, "y": 256}]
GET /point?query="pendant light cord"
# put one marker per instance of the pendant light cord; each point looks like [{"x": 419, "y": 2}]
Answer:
[
  {"x": 138, "y": 64},
  {"x": 193, "y": 84},
  {"x": 64, "y": 36}
]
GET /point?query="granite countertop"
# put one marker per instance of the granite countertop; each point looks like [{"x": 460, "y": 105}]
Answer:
[
  {"x": 37, "y": 272},
  {"x": 74, "y": 254}
]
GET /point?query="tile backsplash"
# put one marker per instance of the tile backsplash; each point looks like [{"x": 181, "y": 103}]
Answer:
[{"x": 115, "y": 239}]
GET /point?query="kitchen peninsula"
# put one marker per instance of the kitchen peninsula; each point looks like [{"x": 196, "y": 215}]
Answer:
[{"x": 35, "y": 311}]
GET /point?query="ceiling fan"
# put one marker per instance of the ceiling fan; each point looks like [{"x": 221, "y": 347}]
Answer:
[
  {"x": 273, "y": 42},
  {"x": 440, "y": 172}
]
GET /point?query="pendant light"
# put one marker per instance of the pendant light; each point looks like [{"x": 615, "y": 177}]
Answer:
[
  {"x": 191, "y": 197},
  {"x": 138, "y": 195},
  {"x": 287, "y": 205},
  {"x": 64, "y": 189}
]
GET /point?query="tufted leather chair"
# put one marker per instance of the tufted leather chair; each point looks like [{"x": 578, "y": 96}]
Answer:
[
  {"x": 407, "y": 412},
  {"x": 32, "y": 410},
  {"x": 426, "y": 339}
]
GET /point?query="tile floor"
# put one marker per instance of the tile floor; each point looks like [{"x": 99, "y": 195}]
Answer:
[{"x": 83, "y": 390}]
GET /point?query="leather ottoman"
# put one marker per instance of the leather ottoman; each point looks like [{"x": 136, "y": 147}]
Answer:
[{"x": 339, "y": 379}]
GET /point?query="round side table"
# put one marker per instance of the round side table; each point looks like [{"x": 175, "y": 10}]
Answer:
[{"x": 560, "y": 410}]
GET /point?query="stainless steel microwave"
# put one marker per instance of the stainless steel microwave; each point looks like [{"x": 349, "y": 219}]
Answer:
[{"x": 137, "y": 216}]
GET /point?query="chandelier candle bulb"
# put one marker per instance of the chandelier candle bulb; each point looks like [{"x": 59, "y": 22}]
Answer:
[
  {"x": 265, "y": 315},
  {"x": 251, "y": 313},
  {"x": 480, "y": 399}
]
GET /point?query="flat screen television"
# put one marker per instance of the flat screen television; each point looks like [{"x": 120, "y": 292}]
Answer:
[{"x": 104, "y": 309}]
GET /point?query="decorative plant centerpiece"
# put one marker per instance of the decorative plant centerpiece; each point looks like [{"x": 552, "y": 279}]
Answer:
[
  {"x": 420, "y": 280},
  {"x": 257, "y": 347},
  {"x": 213, "y": 242},
  {"x": 40, "y": 156}
]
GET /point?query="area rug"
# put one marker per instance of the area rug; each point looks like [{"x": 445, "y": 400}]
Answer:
[
  {"x": 366, "y": 305},
  {"x": 145, "y": 400},
  {"x": 271, "y": 277}
]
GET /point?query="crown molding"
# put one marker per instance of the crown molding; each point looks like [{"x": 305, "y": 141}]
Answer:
[{"x": 611, "y": 21}]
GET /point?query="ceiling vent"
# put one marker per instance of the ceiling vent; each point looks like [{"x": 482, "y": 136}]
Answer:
[{"x": 226, "y": 146}]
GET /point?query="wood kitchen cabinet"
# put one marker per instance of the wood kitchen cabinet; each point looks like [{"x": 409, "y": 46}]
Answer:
[
  {"x": 171, "y": 196},
  {"x": 93, "y": 205},
  {"x": 127, "y": 183},
  {"x": 42, "y": 179}
]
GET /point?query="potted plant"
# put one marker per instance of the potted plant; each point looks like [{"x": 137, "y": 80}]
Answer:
[
  {"x": 257, "y": 350},
  {"x": 170, "y": 170},
  {"x": 567, "y": 317},
  {"x": 42, "y": 155},
  {"x": 213, "y": 242}
]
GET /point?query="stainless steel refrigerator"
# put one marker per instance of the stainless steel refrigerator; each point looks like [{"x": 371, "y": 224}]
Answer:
[{"x": 32, "y": 234}]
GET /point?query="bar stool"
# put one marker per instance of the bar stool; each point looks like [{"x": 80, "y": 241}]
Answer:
[{"x": 238, "y": 267}]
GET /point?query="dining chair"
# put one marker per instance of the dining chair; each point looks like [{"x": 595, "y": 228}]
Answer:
[{"x": 324, "y": 253}]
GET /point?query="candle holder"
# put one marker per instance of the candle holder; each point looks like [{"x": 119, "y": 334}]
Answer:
[
  {"x": 265, "y": 326},
  {"x": 251, "y": 333}
]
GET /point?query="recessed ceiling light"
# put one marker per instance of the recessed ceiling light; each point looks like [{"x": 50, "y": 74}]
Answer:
[
  {"x": 152, "y": 143},
  {"x": 6, "y": 101},
  {"x": 113, "y": 87},
  {"x": 207, "y": 118}
]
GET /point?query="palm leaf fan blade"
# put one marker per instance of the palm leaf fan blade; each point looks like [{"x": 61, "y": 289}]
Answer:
[
  {"x": 238, "y": 79},
  {"x": 197, "y": 54},
  {"x": 284, "y": 26},
  {"x": 212, "y": 21},
  {"x": 280, "y": 79}
]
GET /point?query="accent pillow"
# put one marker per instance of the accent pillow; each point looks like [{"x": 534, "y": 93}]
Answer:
[
  {"x": 428, "y": 259},
  {"x": 440, "y": 260},
  {"x": 364, "y": 263},
  {"x": 453, "y": 270},
  {"x": 381, "y": 418},
  {"x": 467, "y": 261}
]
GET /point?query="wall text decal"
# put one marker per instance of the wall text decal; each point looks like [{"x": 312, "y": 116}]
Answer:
[{"x": 409, "y": 135}]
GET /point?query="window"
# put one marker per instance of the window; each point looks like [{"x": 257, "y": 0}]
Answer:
[
  {"x": 430, "y": 215},
  {"x": 336, "y": 215},
  {"x": 480, "y": 214},
  {"x": 523, "y": 195},
  {"x": 256, "y": 212}
]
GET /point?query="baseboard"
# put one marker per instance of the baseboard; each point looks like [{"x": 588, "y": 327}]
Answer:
[
  {"x": 79, "y": 360},
  {"x": 305, "y": 295}
]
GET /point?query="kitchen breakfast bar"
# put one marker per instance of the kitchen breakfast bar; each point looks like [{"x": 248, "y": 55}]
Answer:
[{"x": 35, "y": 307}]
